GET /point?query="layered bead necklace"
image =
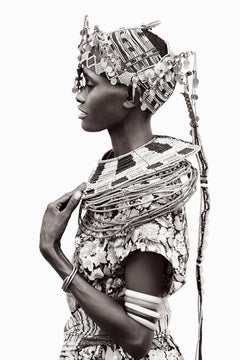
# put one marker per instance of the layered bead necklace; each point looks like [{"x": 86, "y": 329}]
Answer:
[{"x": 158, "y": 168}]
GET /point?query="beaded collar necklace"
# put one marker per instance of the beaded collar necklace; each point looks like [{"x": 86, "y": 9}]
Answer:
[{"x": 143, "y": 162}]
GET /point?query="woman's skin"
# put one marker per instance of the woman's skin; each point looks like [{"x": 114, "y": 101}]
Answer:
[
  {"x": 104, "y": 106},
  {"x": 108, "y": 107}
]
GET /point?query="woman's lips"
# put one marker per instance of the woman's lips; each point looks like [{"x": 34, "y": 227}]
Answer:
[{"x": 82, "y": 113}]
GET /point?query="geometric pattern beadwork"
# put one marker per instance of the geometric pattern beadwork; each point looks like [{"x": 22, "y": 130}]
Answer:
[
  {"x": 119, "y": 181},
  {"x": 153, "y": 166},
  {"x": 185, "y": 151},
  {"x": 125, "y": 163},
  {"x": 97, "y": 173},
  {"x": 159, "y": 148},
  {"x": 154, "y": 156}
]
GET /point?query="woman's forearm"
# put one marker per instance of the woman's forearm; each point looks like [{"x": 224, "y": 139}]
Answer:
[{"x": 104, "y": 310}]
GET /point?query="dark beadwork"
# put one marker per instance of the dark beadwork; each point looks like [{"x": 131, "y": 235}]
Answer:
[
  {"x": 185, "y": 151},
  {"x": 159, "y": 148},
  {"x": 119, "y": 181},
  {"x": 97, "y": 173},
  {"x": 153, "y": 166},
  {"x": 125, "y": 163}
]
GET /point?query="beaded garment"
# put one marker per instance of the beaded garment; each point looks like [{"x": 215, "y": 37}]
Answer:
[{"x": 153, "y": 182}]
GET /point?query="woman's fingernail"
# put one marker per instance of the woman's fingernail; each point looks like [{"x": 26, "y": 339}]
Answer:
[
  {"x": 83, "y": 185},
  {"x": 77, "y": 195}
]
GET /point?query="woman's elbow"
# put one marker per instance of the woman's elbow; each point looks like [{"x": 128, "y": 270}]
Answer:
[{"x": 141, "y": 344}]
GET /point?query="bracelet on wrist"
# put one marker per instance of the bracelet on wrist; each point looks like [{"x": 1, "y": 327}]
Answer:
[{"x": 67, "y": 281}]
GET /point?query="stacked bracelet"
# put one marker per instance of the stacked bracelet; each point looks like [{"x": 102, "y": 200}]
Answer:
[
  {"x": 138, "y": 295},
  {"x": 67, "y": 281},
  {"x": 143, "y": 308},
  {"x": 140, "y": 302},
  {"x": 143, "y": 321}
]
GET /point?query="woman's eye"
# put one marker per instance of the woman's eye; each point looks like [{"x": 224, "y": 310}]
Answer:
[
  {"x": 86, "y": 82},
  {"x": 89, "y": 84}
]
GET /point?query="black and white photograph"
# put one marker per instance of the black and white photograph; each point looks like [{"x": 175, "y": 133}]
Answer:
[{"x": 119, "y": 180}]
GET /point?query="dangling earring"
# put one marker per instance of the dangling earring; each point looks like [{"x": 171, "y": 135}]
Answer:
[
  {"x": 77, "y": 82},
  {"x": 134, "y": 86}
]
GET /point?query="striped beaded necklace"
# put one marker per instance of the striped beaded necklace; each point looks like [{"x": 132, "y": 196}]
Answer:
[
  {"x": 157, "y": 155},
  {"x": 158, "y": 168}
]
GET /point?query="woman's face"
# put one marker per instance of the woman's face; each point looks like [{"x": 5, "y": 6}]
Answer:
[{"x": 100, "y": 103}]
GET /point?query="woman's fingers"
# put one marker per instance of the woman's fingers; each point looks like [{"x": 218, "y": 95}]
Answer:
[
  {"x": 61, "y": 203},
  {"x": 82, "y": 187},
  {"x": 66, "y": 196},
  {"x": 56, "y": 218},
  {"x": 74, "y": 199}
]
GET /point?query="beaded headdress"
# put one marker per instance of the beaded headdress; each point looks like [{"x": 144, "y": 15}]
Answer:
[{"x": 127, "y": 56}]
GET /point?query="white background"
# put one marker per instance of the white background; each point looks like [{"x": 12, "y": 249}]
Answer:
[{"x": 45, "y": 153}]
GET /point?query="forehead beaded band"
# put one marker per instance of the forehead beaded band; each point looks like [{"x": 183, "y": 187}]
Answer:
[{"x": 129, "y": 57}]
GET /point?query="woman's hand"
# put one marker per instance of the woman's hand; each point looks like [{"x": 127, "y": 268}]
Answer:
[{"x": 56, "y": 218}]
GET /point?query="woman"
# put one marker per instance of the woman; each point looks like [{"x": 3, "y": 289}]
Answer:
[{"x": 131, "y": 245}]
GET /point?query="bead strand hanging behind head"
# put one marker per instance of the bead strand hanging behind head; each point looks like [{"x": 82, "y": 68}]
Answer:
[{"x": 190, "y": 98}]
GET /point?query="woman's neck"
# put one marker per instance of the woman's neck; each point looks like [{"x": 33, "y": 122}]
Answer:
[{"x": 130, "y": 135}]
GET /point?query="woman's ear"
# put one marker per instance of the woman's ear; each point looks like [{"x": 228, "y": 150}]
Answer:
[{"x": 133, "y": 99}]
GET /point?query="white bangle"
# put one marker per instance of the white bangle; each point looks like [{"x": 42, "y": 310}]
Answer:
[
  {"x": 142, "y": 321},
  {"x": 140, "y": 302},
  {"x": 142, "y": 310},
  {"x": 142, "y": 296}
]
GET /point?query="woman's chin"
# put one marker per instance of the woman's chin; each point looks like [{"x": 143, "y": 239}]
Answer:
[{"x": 86, "y": 126}]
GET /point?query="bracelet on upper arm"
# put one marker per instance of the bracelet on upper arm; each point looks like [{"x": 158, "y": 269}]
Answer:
[
  {"x": 144, "y": 303},
  {"x": 143, "y": 321},
  {"x": 142, "y": 296},
  {"x": 142, "y": 310},
  {"x": 139, "y": 306}
]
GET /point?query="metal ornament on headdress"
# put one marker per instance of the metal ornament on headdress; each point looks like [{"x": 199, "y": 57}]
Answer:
[{"x": 128, "y": 57}]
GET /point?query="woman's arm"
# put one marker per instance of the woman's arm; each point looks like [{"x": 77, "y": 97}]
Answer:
[{"x": 144, "y": 273}]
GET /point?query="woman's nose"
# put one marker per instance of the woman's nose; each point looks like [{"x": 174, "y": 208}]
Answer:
[{"x": 81, "y": 95}]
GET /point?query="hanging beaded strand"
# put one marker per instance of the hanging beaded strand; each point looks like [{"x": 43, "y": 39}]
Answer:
[{"x": 204, "y": 202}]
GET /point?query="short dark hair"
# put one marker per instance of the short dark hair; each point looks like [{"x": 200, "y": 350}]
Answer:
[{"x": 159, "y": 43}]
